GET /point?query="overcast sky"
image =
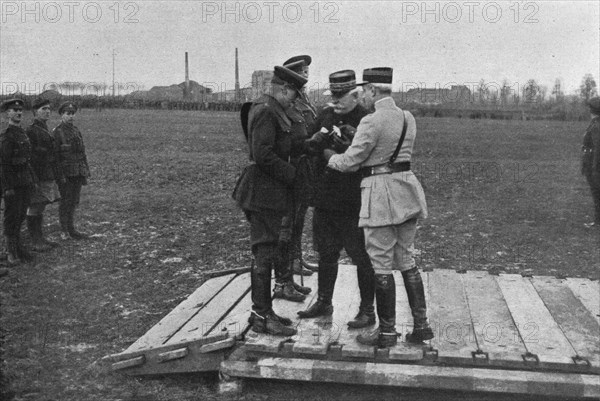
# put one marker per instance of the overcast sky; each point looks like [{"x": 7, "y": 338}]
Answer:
[{"x": 437, "y": 44}]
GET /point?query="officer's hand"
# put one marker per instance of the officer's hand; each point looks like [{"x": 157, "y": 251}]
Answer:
[
  {"x": 317, "y": 142},
  {"x": 327, "y": 153},
  {"x": 9, "y": 192},
  {"x": 340, "y": 144},
  {"x": 348, "y": 131}
]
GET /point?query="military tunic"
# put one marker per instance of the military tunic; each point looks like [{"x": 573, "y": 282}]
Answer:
[
  {"x": 17, "y": 175},
  {"x": 44, "y": 162}
]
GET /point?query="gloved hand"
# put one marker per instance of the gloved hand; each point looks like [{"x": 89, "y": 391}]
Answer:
[
  {"x": 340, "y": 144},
  {"x": 348, "y": 131},
  {"x": 318, "y": 141}
]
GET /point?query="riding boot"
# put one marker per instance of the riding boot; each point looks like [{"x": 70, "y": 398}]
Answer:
[
  {"x": 269, "y": 323},
  {"x": 385, "y": 293},
  {"x": 416, "y": 299},
  {"x": 34, "y": 228},
  {"x": 22, "y": 252},
  {"x": 366, "y": 286},
  {"x": 72, "y": 230},
  {"x": 326, "y": 278},
  {"x": 40, "y": 224},
  {"x": 12, "y": 255}
]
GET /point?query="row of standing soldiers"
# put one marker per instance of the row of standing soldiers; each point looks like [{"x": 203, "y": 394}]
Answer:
[{"x": 39, "y": 167}]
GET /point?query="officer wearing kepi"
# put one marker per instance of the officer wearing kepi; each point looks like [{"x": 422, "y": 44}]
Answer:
[
  {"x": 43, "y": 162},
  {"x": 591, "y": 157},
  {"x": 265, "y": 191},
  {"x": 73, "y": 166},
  {"x": 392, "y": 200},
  {"x": 16, "y": 178},
  {"x": 337, "y": 203}
]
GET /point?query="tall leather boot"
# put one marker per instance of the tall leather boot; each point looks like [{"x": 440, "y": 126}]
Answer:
[
  {"x": 327, "y": 276},
  {"x": 63, "y": 217},
  {"x": 12, "y": 255},
  {"x": 72, "y": 230},
  {"x": 366, "y": 287},
  {"x": 40, "y": 223},
  {"x": 35, "y": 232},
  {"x": 385, "y": 293},
  {"x": 416, "y": 299}
]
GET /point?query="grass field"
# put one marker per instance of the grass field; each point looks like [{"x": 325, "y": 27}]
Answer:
[{"x": 502, "y": 195}]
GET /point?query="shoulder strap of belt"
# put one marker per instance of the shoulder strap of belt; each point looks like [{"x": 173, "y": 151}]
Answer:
[{"x": 401, "y": 141}]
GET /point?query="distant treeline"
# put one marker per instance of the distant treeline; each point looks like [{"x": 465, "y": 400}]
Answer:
[{"x": 573, "y": 109}]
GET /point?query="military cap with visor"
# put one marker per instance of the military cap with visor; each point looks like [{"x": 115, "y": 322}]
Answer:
[
  {"x": 306, "y": 59},
  {"x": 378, "y": 75},
  {"x": 15, "y": 104},
  {"x": 67, "y": 106},
  {"x": 283, "y": 76},
  {"x": 39, "y": 103},
  {"x": 594, "y": 104},
  {"x": 341, "y": 83}
]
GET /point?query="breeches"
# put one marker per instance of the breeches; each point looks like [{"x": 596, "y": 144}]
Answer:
[{"x": 390, "y": 247}]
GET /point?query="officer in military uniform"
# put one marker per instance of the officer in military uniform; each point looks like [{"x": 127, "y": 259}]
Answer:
[
  {"x": 392, "y": 200},
  {"x": 43, "y": 162},
  {"x": 591, "y": 156},
  {"x": 16, "y": 177},
  {"x": 303, "y": 106},
  {"x": 337, "y": 203},
  {"x": 73, "y": 166},
  {"x": 265, "y": 192}
]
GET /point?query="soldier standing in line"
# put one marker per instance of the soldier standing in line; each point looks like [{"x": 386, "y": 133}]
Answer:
[
  {"x": 302, "y": 105},
  {"x": 392, "y": 200},
  {"x": 43, "y": 162},
  {"x": 73, "y": 166},
  {"x": 591, "y": 157},
  {"x": 337, "y": 204},
  {"x": 265, "y": 191},
  {"x": 17, "y": 179}
]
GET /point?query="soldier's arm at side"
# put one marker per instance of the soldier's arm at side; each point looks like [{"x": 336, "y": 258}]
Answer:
[
  {"x": 6, "y": 168},
  {"x": 263, "y": 133},
  {"x": 362, "y": 145},
  {"x": 596, "y": 150}
]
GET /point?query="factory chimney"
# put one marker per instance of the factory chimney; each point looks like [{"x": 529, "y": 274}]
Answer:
[{"x": 237, "y": 78}]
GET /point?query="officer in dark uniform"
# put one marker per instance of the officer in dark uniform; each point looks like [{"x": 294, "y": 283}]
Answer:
[
  {"x": 43, "y": 162},
  {"x": 337, "y": 204},
  {"x": 265, "y": 192},
  {"x": 17, "y": 179},
  {"x": 303, "y": 106},
  {"x": 591, "y": 156},
  {"x": 73, "y": 166}
]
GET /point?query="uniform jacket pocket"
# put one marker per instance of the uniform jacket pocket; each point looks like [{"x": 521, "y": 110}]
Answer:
[{"x": 365, "y": 199}]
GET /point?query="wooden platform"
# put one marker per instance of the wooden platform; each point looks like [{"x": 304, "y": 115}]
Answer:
[{"x": 535, "y": 335}]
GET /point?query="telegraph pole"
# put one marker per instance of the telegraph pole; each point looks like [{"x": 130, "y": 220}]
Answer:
[{"x": 113, "y": 73}]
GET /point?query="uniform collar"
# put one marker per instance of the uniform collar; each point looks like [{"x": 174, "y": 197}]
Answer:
[{"x": 385, "y": 103}]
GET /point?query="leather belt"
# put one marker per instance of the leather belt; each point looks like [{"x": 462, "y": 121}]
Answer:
[{"x": 384, "y": 169}]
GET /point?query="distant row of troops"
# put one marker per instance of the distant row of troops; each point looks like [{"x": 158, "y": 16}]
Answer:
[
  {"x": 39, "y": 167},
  {"x": 366, "y": 199}
]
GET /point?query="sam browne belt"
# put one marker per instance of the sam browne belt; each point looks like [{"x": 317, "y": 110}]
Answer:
[{"x": 384, "y": 169}]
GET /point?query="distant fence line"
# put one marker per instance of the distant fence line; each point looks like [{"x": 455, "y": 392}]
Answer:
[{"x": 125, "y": 102}]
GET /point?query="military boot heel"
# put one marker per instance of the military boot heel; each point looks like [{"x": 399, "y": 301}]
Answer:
[
  {"x": 287, "y": 291},
  {"x": 319, "y": 308},
  {"x": 364, "y": 318}
]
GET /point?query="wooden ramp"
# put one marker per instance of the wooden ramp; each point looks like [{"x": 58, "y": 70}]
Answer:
[{"x": 498, "y": 333}]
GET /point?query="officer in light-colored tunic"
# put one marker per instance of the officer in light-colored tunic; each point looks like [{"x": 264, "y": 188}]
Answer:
[
  {"x": 72, "y": 161},
  {"x": 392, "y": 200},
  {"x": 591, "y": 157}
]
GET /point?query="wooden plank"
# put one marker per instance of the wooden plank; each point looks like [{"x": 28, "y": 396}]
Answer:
[
  {"x": 494, "y": 328},
  {"x": 410, "y": 375},
  {"x": 575, "y": 320},
  {"x": 202, "y": 323},
  {"x": 588, "y": 293},
  {"x": 172, "y": 322},
  {"x": 236, "y": 321},
  {"x": 450, "y": 318},
  {"x": 347, "y": 338},
  {"x": 538, "y": 330},
  {"x": 256, "y": 342},
  {"x": 316, "y": 334}
]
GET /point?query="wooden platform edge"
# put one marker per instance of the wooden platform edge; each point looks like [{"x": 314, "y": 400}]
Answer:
[{"x": 417, "y": 376}]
